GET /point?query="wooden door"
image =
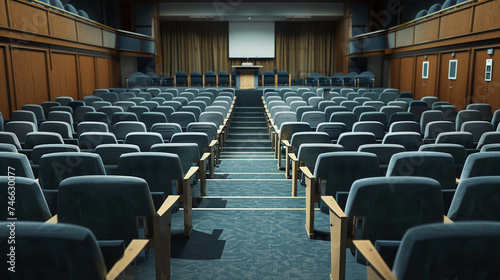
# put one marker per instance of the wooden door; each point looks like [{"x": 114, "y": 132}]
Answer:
[
  {"x": 425, "y": 87},
  {"x": 103, "y": 72},
  {"x": 64, "y": 76},
  {"x": 29, "y": 67},
  {"x": 406, "y": 74},
  {"x": 4, "y": 82},
  {"x": 454, "y": 90},
  {"x": 395, "y": 64},
  {"x": 87, "y": 75},
  {"x": 483, "y": 91}
]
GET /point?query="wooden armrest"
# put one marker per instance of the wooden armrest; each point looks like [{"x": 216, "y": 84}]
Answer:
[
  {"x": 191, "y": 172},
  {"x": 457, "y": 181},
  {"x": 305, "y": 170},
  {"x": 205, "y": 156},
  {"x": 292, "y": 156},
  {"x": 213, "y": 143},
  {"x": 133, "y": 249},
  {"x": 374, "y": 260},
  {"x": 333, "y": 206},
  {"x": 276, "y": 128},
  {"x": 167, "y": 204},
  {"x": 447, "y": 220},
  {"x": 52, "y": 220}
]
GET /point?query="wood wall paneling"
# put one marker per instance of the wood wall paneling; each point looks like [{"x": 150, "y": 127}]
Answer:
[
  {"x": 62, "y": 27},
  {"x": 426, "y": 31},
  {"x": 394, "y": 71},
  {"x": 404, "y": 37},
  {"x": 30, "y": 76},
  {"x": 454, "y": 91},
  {"x": 406, "y": 74},
  {"x": 64, "y": 75},
  {"x": 88, "y": 34},
  {"x": 425, "y": 87},
  {"x": 3, "y": 14},
  {"x": 4, "y": 81},
  {"x": 115, "y": 73},
  {"x": 26, "y": 17},
  {"x": 87, "y": 75},
  {"x": 486, "y": 16},
  {"x": 103, "y": 72},
  {"x": 482, "y": 91},
  {"x": 455, "y": 23}
]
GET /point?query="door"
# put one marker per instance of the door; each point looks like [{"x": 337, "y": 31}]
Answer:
[
  {"x": 64, "y": 76},
  {"x": 486, "y": 91},
  {"x": 425, "y": 86},
  {"x": 454, "y": 90}
]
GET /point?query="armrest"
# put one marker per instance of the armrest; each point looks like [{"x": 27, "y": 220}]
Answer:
[
  {"x": 375, "y": 261},
  {"x": 167, "y": 204},
  {"x": 52, "y": 220},
  {"x": 333, "y": 206},
  {"x": 133, "y": 249},
  {"x": 305, "y": 170},
  {"x": 191, "y": 172},
  {"x": 285, "y": 142},
  {"x": 447, "y": 220},
  {"x": 213, "y": 143},
  {"x": 205, "y": 156},
  {"x": 292, "y": 157},
  {"x": 457, "y": 181}
]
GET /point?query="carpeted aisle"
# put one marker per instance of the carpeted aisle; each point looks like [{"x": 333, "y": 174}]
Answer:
[{"x": 249, "y": 226}]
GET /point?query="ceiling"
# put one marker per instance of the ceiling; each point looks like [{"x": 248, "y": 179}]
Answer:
[{"x": 251, "y": 11}]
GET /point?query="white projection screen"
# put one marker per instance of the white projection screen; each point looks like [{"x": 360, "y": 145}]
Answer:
[{"x": 251, "y": 39}]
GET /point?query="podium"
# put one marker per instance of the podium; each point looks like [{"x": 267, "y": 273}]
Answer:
[{"x": 247, "y": 76}]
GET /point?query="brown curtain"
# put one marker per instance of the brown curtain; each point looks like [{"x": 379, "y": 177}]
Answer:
[{"x": 301, "y": 48}]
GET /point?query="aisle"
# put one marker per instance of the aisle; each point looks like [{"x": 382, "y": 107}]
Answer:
[{"x": 248, "y": 226}]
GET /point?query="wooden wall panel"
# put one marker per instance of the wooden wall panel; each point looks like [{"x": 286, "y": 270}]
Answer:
[
  {"x": 486, "y": 16},
  {"x": 425, "y": 87},
  {"x": 455, "y": 23},
  {"x": 394, "y": 72},
  {"x": 3, "y": 14},
  {"x": 4, "y": 81},
  {"x": 87, "y": 75},
  {"x": 404, "y": 37},
  {"x": 454, "y": 91},
  {"x": 103, "y": 72},
  {"x": 426, "y": 31},
  {"x": 64, "y": 76},
  {"x": 109, "y": 39},
  {"x": 62, "y": 27},
  {"x": 482, "y": 91},
  {"x": 406, "y": 74},
  {"x": 31, "y": 81},
  {"x": 26, "y": 17},
  {"x": 88, "y": 34},
  {"x": 115, "y": 73}
]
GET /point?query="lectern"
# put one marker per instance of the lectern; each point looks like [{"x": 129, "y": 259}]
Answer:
[{"x": 247, "y": 75}]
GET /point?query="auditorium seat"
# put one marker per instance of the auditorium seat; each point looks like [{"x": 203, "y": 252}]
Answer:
[
  {"x": 30, "y": 203},
  {"x": 457, "y": 151},
  {"x": 404, "y": 126},
  {"x": 483, "y": 108},
  {"x": 20, "y": 129},
  {"x": 377, "y": 128},
  {"x": 205, "y": 145},
  {"x": 151, "y": 118},
  {"x": 181, "y": 79},
  {"x": 15, "y": 163},
  {"x": 23, "y": 116},
  {"x": 456, "y": 137},
  {"x": 481, "y": 164},
  {"x": 38, "y": 138},
  {"x": 421, "y": 13},
  {"x": 36, "y": 109},
  {"x": 284, "y": 78},
  {"x": 10, "y": 138},
  {"x": 347, "y": 118},
  {"x": 144, "y": 140},
  {"x": 223, "y": 79},
  {"x": 110, "y": 154},
  {"x": 84, "y": 14},
  {"x": 351, "y": 141},
  {"x": 88, "y": 141},
  {"x": 410, "y": 140},
  {"x": 40, "y": 150},
  {"x": 63, "y": 100},
  {"x": 465, "y": 116},
  {"x": 167, "y": 130},
  {"x": 121, "y": 129}
]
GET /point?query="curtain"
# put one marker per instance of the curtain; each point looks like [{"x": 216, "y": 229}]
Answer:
[{"x": 301, "y": 48}]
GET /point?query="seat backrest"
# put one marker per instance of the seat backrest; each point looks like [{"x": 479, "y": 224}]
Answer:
[
  {"x": 466, "y": 115},
  {"x": 150, "y": 118},
  {"x": 20, "y": 129},
  {"x": 90, "y": 140},
  {"x": 483, "y": 108},
  {"x": 477, "y": 128},
  {"x": 199, "y": 138},
  {"x": 166, "y": 129},
  {"x": 15, "y": 163},
  {"x": 214, "y": 117},
  {"x": 43, "y": 149},
  {"x": 309, "y": 152},
  {"x": 352, "y": 140},
  {"x": 38, "y": 138},
  {"x": 188, "y": 153},
  {"x": 481, "y": 164},
  {"x": 30, "y": 202},
  {"x": 430, "y": 116},
  {"x": 492, "y": 137},
  {"x": 183, "y": 119},
  {"x": 347, "y": 118},
  {"x": 410, "y": 140},
  {"x": 36, "y": 109},
  {"x": 110, "y": 153},
  {"x": 313, "y": 118},
  {"x": 121, "y": 129},
  {"x": 10, "y": 138},
  {"x": 456, "y": 137},
  {"x": 144, "y": 140},
  {"x": 377, "y": 128},
  {"x": 434, "y": 128},
  {"x": 299, "y": 138},
  {"x": 405, "y": 126}
]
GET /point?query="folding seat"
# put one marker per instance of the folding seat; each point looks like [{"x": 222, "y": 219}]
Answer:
[
  {"x": 495, "y": 120},
  {"x": 204, "y": 98},
  {"x": 492, "y": 137},
  {"x": 462, "y": 138},
  {"x": 373, "y": 116},
  {"x": 110, "y": 97},
  {"x": 362, "y": 100},
  {"x": 349, "y": 104},
  {"x": 5, "y": 147},
  {"x": 20, "y": 129},
  {"x": 417, "y": 108},
  {"x": 16, "y": 163},
  {"x": 490, "y": 148},
  {"x": 278, "y": 120},
  {"x": 165, "y": 110},
  {"x": 136, "y": 91},
  {"x": 339, "y": 99},
  {"x": 439, "y": 103},
  {"x": 220, "y": 109},
  {"x": 218, "y": 120},
  {"x": 299, "y": 138},
  {"x": 94, "y": 201},
  {"x": 150, "y": 104},
  {"x": 79, "y": 113},
  {"x": 384, "y": 152},
  {"x": 377, "y": 128},
  {"x": 477, "y": 128},
  {"x": 284, "y": 95},
  {"x": 167, "y": 130},
  {"x": 64, "y": 100},
  {"x": 347, "y": 118},
  {"x": 401, "y": 104},
  {"x": 40, "y": 150},
  {"x": 189, "y": 95},
  {"x": 314, "y": 101},
  {"x": 210, "y": 79},
  {"x": 124, "y": 96},
  {"x": 306, "y": 156},
  {"x": 352, "y": 140},
  {"x": 110, "y": 154},
  {"x": 99, "y": 104},
  {"x": 136, "y": 100},
  {"x": 36, "y": 109},
  {"x": 121, "y": 129},
  {"x": 430, "y": 100},
  {"x": 195, "y": 91},
  {"x": 333, "y": 129},
  {"x": 138, "y": 110},
  {"x": 481, "y": 164},
  {"x": 163, "y": 172},
  {"x": 61, "y": 109},
  {"x": 154, "y": 91},
  {"x": 406, "y": 95},
  {"x": 434, "y": 128},
  {"x": 10, "y": 138},
  {"x": 55, "y": 167},
  {"x": 313, "y": 118},
  {"x": 123, "y": 116},
  {"x": 61, "y": 128},
  {"x": 46, "y": 105},
  {"x": 227, "y": 99},
  {"x": 197, "y": 103},
  {"x": 352, "y": 95},
  {"x": 88, "y": 126},
  {"x": 181, "y": 99},
  {"x": 302, "y": 109},
  {"x": 387, "y": 97},
  {"x": 389, "y": 111},
  {"x": 144, "y": 140},
  {"x": 173, "y": 91},
  {"x": 358, "y": 110},
  {"x": 30, "y": 203},
  {"x": 193, "y": 109},
  {"x": 205, "y": 145},
  {"x": 334, "y": 174},
  {"x": 166, "y": 95},
  {"x": 458, "y": 153},
  {"x": 98, "y": 92},
  {"x": 75, "y": 104},
  {"x": 38, "y": 138},
  {"x": 400, "y": 116},
  {"x": 308, "y": 94},
  {"x": 284, "y": 135},
  {"x": 183, "y": 119},
  {"x": 24, "y": 116},
  {"x": 345, "y": 91},
  {"x": 88, "y": 141},
  {"x": 125, "y": 105},
  {"x": 452, "y": 245},
  {"x": 410, "y": 140},
  {"x": 465, "y": 116},
  {"x": 151, "y": 118},
  {"x": 429, "y": 116},
  {"x": 484, "y": 110},
  {"x": 89, "y": 99},
  {"x": 371, "y": 95},
  {"x": 212, "y": 131},
  {"x": 324, "y": 104},
  {"x": 62, "y": 117}
]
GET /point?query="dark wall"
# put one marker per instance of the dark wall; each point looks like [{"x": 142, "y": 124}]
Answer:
[
  {"x": 103, "y": 11},
  {"x": 412, "y": 7}
]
